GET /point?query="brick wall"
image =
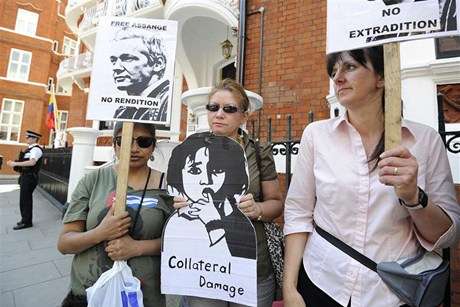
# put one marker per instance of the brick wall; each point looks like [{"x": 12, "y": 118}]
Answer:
[
  {"x": 44, "y": 64},
  {"x": 294, "y": 78}
]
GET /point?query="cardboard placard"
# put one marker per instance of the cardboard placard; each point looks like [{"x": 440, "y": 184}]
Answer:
[
  {"x": 133, "y": 70},
  {"x": 209, "y": 245},
  {"x": 354, "y": 24}
]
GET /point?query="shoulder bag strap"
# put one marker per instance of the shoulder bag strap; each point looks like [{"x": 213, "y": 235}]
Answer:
[
  {"x": 140, "y": 204},
  {"x": 160, "y": 186},
  {"x": 259, "y": 167},
  {"x": 347, "y": 249}
]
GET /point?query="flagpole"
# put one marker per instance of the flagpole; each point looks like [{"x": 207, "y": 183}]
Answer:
[{"x": 55, "y": 110}]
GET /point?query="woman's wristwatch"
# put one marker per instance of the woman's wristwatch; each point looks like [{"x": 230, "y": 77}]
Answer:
[{"x": 422, "y": 201}]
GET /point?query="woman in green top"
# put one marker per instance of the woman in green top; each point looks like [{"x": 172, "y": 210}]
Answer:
[
  {"x": 228, "y": 110},
  {"x": 97, "y": 237}
]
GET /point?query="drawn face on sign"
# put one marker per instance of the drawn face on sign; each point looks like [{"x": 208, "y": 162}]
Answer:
[
  {"x": 208, "y": 170},
  {"x": 199, "y": 170}
]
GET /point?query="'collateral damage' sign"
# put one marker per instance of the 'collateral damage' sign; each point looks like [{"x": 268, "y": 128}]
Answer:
[
  {"x": 133, "y": 70},
  {"x": 353, "y": 24},
  {"x": 209, "y": 247}
]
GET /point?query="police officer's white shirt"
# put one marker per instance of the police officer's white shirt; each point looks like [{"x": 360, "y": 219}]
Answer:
[{"x": 34, "y": 153}]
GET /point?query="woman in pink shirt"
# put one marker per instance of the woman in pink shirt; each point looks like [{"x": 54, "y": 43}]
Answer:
[{"x": 371, "y": 199}]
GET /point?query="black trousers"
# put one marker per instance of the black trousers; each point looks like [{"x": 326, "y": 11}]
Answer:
[
  {"x": 312, "y": 295},
  {"x": 28, "y": 183}
]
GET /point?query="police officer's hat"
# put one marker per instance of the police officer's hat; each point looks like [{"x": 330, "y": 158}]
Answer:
[{"x": 30, "y": 133}]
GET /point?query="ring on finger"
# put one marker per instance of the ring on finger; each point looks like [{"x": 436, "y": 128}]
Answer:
[{"x": 395, "y": 171}]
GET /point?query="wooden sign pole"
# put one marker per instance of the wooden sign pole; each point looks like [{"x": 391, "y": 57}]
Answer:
[
  {"x": 123, "y": 167},
  {"x": 392, "y": 95}
]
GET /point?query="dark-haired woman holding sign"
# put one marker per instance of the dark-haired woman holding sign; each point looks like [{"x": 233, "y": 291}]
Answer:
[
  {"x": 97, "y": 237},
  {"x": 387, "y": 205}
]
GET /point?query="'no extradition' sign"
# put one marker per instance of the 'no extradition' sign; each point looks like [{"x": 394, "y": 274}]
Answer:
[{"x": 353, "y": 24}]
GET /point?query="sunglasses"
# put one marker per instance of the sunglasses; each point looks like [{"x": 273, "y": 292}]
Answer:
[
  {"x": 142, "y": 141},
  {"x": 214, "y": 107}
]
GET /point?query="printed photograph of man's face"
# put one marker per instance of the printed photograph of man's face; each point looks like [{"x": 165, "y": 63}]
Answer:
[{"x": 137, "y": 62}]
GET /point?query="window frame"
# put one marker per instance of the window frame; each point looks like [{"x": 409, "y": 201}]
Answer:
[
  {"x": 9, "y": 74},
  {"x": 440, "y": 54},
  {"x": 27, "y": 16},
  {"x": 10, "y": 125},
  {"x": 55, "y": 46},
  {"x": 63, "y": 93},
  {"x": 50, "y": 84},
  {"x": 66, "y": 42},
  {"x": 59, "y": 119}
]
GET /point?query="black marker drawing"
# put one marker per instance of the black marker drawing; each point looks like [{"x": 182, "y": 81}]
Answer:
[{"x": 211, "y": 172}]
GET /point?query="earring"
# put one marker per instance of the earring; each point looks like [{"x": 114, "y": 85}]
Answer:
[{"x": 152, "y": 157}]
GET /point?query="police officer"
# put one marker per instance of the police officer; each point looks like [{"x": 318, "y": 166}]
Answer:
[{"x": 28, "y": 165}]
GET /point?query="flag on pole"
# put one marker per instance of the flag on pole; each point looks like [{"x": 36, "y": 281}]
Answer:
[{"x": 51, "y": 116}]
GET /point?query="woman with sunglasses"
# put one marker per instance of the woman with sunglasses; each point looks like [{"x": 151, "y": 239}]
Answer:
[
  {"x": 227, "y": 111},
  {"x": 97, "y": 237}
]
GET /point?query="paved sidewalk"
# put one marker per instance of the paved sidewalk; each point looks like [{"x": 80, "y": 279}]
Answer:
[{"x": 32, "y": 271}]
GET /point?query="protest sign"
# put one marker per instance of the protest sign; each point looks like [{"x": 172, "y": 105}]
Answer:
[
  {"x": 354, "y": 24},
  {"x": 133, "y": 71},
  {"x": 209, "y": 245}
]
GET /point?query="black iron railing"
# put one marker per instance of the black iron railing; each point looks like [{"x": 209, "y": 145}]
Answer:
[
  {"x": 55, "y": 172},
  {"x": 286, "y": 148},
  {"x": 451, "y": 140}
]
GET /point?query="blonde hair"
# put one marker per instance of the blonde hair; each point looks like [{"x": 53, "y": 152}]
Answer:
[{"x": 235, "y": 88}]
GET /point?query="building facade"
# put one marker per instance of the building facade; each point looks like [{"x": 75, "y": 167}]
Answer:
[
  {"x": 283, "y": 63},
  {"x": 34, "y": 39}
]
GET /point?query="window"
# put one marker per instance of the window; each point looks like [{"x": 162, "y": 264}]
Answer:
[
  {"x": 50, "y": 84},
  {"x": 55, "y": 47},
  {"x": 69, "y": 46},
  {"x": 26, "y": 22},
  {"x": 10, "y": 119},
  {"x": 19, "y": 65},
  {"x": 106, "y": 125},
  {"x": 62, "y": 117},
  {"x": 229, "y": 71},
  {"x": 447, "y": 47},
  {"x": 63, "y": 90}
]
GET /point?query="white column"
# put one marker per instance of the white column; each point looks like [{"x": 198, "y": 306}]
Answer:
[
  {"x": 196, "y": 100},
  {"x": 84, "y": 142}
]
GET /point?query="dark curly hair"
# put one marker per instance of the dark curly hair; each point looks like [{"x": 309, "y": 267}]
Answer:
[{"x": 225, "y": 155}]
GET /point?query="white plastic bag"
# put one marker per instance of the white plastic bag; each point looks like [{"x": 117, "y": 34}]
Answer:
[{"x": 116, "y": 287}]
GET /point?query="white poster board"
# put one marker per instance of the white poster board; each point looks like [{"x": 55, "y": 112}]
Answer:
[
  {"x": 133, "y": 70},
  {"x": 353, "y": 24},
  {"x": 209, "y": 247}
]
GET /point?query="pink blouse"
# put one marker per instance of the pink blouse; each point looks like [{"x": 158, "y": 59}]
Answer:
[{"x": 332, "y": 187}]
